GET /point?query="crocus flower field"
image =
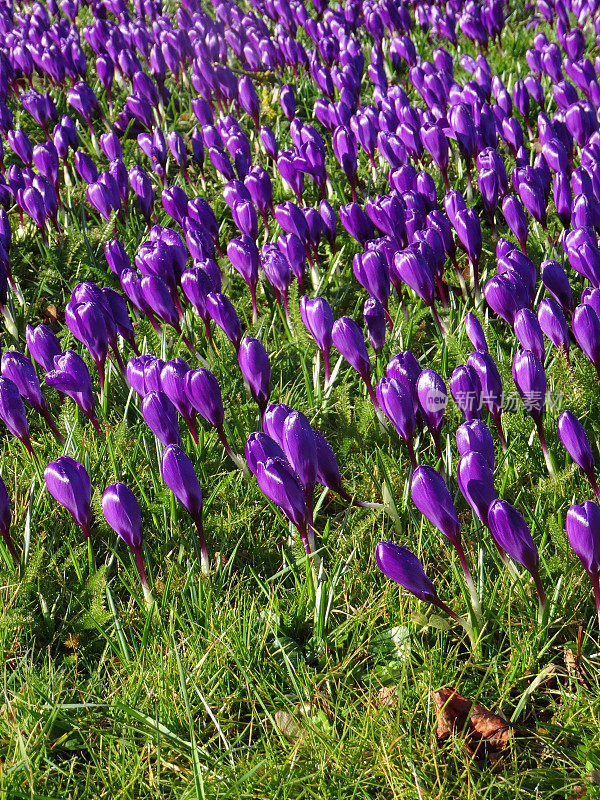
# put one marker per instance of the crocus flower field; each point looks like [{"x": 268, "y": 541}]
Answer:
[{"x": 299, "y": 399}]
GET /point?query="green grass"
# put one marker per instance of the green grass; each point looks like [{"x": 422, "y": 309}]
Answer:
[{"x": 250, "y": 684}]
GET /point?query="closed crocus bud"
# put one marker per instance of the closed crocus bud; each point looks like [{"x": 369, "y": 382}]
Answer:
[
  {"x": 71, "y": 376},
  {"x": 552, "y": 322},
  {"x": 433, "y": 399},
  {"x": 280, "y": 485},
  {"x": 583, "y": 533},
  {"x": 300, "y": 448},
  {"x": 317, "y": 317},
  {"x": 402, "y": 566},
  {"x": 475, "y": 332},
  {"x": 256, "y": 369},
  {"x": 514, "y": 214},
  {"x": 204, "y": 393},
  {"x": 243, "y": 254},
  {"x": 260, "y": 448},
  {"x": 530, "y": 380},
  {"x": 502, "y": 296},
  {"x": 180, "y": 476},
  {"x": 116, "y": 256},
  {"x": 160, "y": 416},
  {"x": 396, "y": 403},
  {"x": 576, "y": 443},
  {"x": 431, "y": 496},
  {"x": 70, "y": 485},
  {"x": 476, "y": 482},
  {"x": 557, "y": 283},
  {"x": 43, "y": 345},
  {"x": 586, "y": 329},
  {"x": 173, "y": 376},
  {"x": 374, "y": 316},
  {"x": 87, "y": 324},
  {"x": 491, "y": 387},
  {"x": 513, "y": 538},
  {"x": 278, "y": 271},
  {"x": 273, "y": 420},
  {"x": 476, "y": 436},
  {"x": 222, "y": 311},
  {"x": 412, "y": 269},
  {"x": 529, "y": 333},
  {"x": 372, "y": 272},
  {"x": 12, "y": 412},
  {"x": 19, "y": 369},
  {"x": 465, "y": 388},
  {"x": 122, "y": 512},
  {"x": 5, "y": 520},
  {"x": 349, "y": 340}
]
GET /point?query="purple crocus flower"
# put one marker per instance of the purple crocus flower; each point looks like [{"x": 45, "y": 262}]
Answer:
[
  {"x": 12, "y": 412},
  {"x": 431, "y": 496},
  {"x": 586, "y": 329},
  {"x": 530, "y": 380},
  {"x": 491, "y": 387},
  {"x": 70, "y": 485},
  {"x": 396, "y": 403},
  {"x": 475, "y": 435},
  {"x": 374, "y": 316},
  {"x": 204, "y": 393},
  {"x": 180, "y": 476},
  {"x": 222, "y": 311},
  {"x": 43, "y": 345},
  {"x": 583, "y": 533},
  {"x": 552, "y": 322},
  {"x": 71, "y": 376},
  {"x": 19, "y": 369},
  {"x": 280, "y": 485},
  {"x": 575, "y": 441},
  {"x": 173, "y": 377},
  {"x": 317, "y": 317},
  {"x": 86, "y": 321},
  {"x": 160, "y": 416},
  {"x": 243, "y": 254},
  {"x": 402, "y": 566},
  {"x": 465, "y": 388},
  {"x": 476, "y": 482},
  {"x": 256, "y": 369},
  {"x": 300, "y": 447},
  {"x": 529, "y": 333},
  {"x": 433, "y": 399},
  {"x": 122, "y": 512},
  {"x": 513, "y": 538},
  {"x": 349, "y": 340}
]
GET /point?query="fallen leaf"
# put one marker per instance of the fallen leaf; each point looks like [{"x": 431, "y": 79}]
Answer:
[
  {"x": 481, "y": 728},
  {"x": 288, "y": 725}
]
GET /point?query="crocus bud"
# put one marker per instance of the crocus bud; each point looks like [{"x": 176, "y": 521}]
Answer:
[
  {"x": 465, "y": 388},
  {"x": 431, "y": 496},
  {"x": 122, "y": 512},
  {"x": 397, "y": 405},
  {"x": 244, "y": 255},
  {"x": 43, "y": 345},
  {"x": 19, "y": 369},
  {"x": 586, "y": 329},
  {"x": 374, "y": 316},
  {"x": 173, "y": 377},
  {"x": 300, "y": 448},
  {"x": 475, "y": 435},
  {"x": 514, "y": 214},
  {"x": 12, "y": 412},
  {"x": 71, "y": 376},
  {"x": 222, "y": 311},
  {"x": 259, "y": 448},
  {"x": 87, "y": 323},
  {"x": 513, "y": 538},
  {"x": 280, "y": 485},
  {"x": 256, "y": 369},
  {"x": 433, "y": 399},
  {"x": 273, "y": 420},
  {"x": 491, "y": 387},
  {"x": 349, "y": 340},
  {"x": 557, "y": 283},
  {"x": 402, "y": 566},
  {"x": 583, "y": 533},
  {"x": 70, "y": 485},
  {"x": 178, "y": 473},
  {"x": 575, "y": 441},
  {"x": 160, "y": 416},
  {"x": 529, "y": 333},
  {"x": 317, "y": 317},
  {"x": 5, "y": 520},
  {"x": 476, "y": 482}
]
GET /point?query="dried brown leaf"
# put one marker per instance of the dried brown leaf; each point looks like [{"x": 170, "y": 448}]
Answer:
[{"x": 481, "y": 728}]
